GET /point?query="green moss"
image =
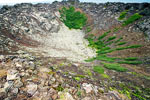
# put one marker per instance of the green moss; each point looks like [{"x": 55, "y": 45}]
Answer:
[
  {"x": 109, "y": 43},
  {"x": 89, "y": 73},
  {"x": 104, "y": 35},
  {"x": 121, "y": 43},
  {"x": 98, "y": 69},
  {"x": 88, "y": 29},
  {"x": 114, "y": 66},
  {"x": 134, "y": 46},
  {"x": 79, "y": 93},
  {"x": 106, "y": 51},
  {"x": 90, "y": 60},
  {"x": 116, "y": 29},
  {"x": 77, "y": 78},
  {"x": 128, "y": 47},
  {"x": 131, "y": 19},
  {"x": 81, "y": 76},
  {"x": 130, "y": 58},
  {"x": 111, "y": 38},
  {"x": 105, "y": 58},
  {"x": 73, "y": 19},
  {"x": 130, "y": 62},
  {"x": 118, "y": 40},
  {"x": 105, "y": 76},
  {"x": 122, "y": 15},
  {"x": 59, "y": 88}
]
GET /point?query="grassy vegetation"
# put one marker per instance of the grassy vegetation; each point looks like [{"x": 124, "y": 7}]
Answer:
[
  {"x": 98, "y": 69},
  {"x": 130, "y": 58},
  {"x": 122, "y": 15},
  {"x": 105, "y": 58},
  {"x": 114, "y": 66},
  {"x": 88, "y": 29},
  {"x": 130, "y": 62},
  {"x": 133, "y": 91},
  {"x": 103, "y": 47},
  {"x": 105, "y": 52},
  {"x": 121, "y": 43},
  {"x": 73, "y": 19},
  {"x": 118, "y": 40},
  {"x": 116, "y": 29},
  {"x": 104, "y": 35},
  {"x": 132, "y": 19},
  {"x": 129, "y": 47},
  {"x": 111, "y": 38}
]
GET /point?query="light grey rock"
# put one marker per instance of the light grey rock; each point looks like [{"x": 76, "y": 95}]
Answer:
[
  {"x": 65, "y": 96},
  {"x": 87, "y": 87},
  {"x": 2, "y": 57},
  {"x": 31, "y": 88},
  {"x": 15, "y": 90},
  {"x": 87, "y": 98},
  {"x": 8, "y": 85},
  {"x": 12, "y": 74},
  {"x": 18, "y": 84},
  {"x": 32, "y": 65}
]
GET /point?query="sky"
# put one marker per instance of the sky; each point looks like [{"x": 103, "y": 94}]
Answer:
[{"x": 11, "y": 2}]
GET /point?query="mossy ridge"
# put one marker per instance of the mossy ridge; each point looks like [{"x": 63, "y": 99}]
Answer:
[
  {"x": 105, "y": 58},
  {"x": 132, "y": 91},
  {"x": 123, "y": 15},
  {"x": 103, "y": 47},
  {"x": 114, "y": 66},
  {"x": 73, "y": 19},
  {"x": 130, "y": 62},
  {"x": 100, "y": 70},
  {"x": 132, "y": 19},
  {"x": 130, "y": 58}
]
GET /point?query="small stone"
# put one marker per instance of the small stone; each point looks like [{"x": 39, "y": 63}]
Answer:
[
  {"x": 54, "y": 97},
  {"x": 18, "y": 65},
  {"x": 65, "y": 96},
  {"x": 2, "y": 95},
  {"x": 3, "y": 73},
  {"x": 52, "y": 91},
  {"x": 32, "y": 65},
  {"x": 18, "y": 84},
  {"x": 87, "y": 98},
  {"x": 87, "y": 87},
  {"x": 12, "y": 74},
  {"x": 44, "y": 70},
  {"x": 1, "y": 57},
  {"x": 53, "y": 79},
  {"x": 8, "y": 85},
  {"x": 15, "y": 90},
  {"x": 31, "y": 88}
]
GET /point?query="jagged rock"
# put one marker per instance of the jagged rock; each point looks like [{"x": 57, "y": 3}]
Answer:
[
  {"x": 2, "y": 95},
  {"x": 1, "y": 57},
  {"x": 18, "y": 84},
  {"x": 17, "y": 64},
  {"x": 31, "y": 88},
  {"x": 12, "y": 74},
  {"x": 65, "y": 96},
  {"x": 87, "y": 87},
  {"x": 87, "y": 98},
  {"x": 14, "y": 90},
  {"x": 8, "y": 85}
]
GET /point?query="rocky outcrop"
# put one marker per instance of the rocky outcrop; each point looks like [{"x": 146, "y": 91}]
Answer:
[
  {"x": 48, "y": 75},
  {"x": 27, "y": 77},
  {"x": 19, "y": 24}
]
